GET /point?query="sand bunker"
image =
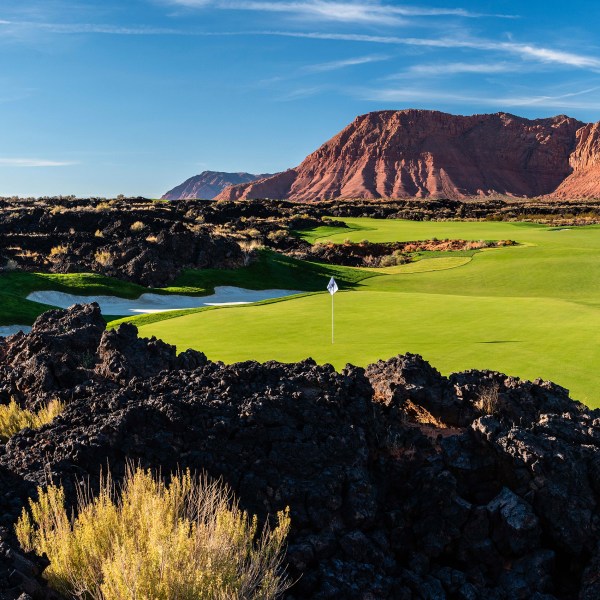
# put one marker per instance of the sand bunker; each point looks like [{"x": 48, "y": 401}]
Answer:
[
  {"x": 152, "y": 303},
  {"x": 7, "y": 330}
]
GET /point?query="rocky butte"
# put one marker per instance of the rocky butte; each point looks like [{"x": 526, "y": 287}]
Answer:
[
  {"x": 430, "y": 154},
  {"x": 402, "y": 483},
  {"x": 209, "y": 184}
]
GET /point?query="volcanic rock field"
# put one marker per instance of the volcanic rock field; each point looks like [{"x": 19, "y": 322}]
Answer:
[{"x": 402, "y": 483}]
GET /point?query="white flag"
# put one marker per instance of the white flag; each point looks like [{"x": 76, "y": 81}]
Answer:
[{"x": 332, "y": 287}]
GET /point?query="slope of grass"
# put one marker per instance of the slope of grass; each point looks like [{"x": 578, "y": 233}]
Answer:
[
  {"x": 531, "y": 311},
  {"x": 271, "y": 270}
]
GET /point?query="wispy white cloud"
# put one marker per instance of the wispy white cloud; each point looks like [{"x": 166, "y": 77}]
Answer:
[
  {"x": 33, "y": 162},
  {"x": 301, "y": 93},
  {"x": 347, "y": 12},
  {"x": 335, "y": 65},
  {"x": 550, "y": 55},
  {"x": 457, "y": 68},
  {"x": 74, "y": 28},
  {"x": 571, "y": 100},
  {"x": 525, "y": 51}
]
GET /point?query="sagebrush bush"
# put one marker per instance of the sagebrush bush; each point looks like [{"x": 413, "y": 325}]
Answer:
[
  {"x": 13, "y": 418},
  {"x": 184, "y": 540},
  {"x": 137, "y": 226},
  {"x": 103, "y": 257},
  {"x": 58, "y": 250}
]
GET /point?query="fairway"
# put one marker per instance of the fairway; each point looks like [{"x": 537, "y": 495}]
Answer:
[{"x": 531, "y": 310}]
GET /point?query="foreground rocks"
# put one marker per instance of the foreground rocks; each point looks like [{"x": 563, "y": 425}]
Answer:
[{"x": 402, "y": 483}]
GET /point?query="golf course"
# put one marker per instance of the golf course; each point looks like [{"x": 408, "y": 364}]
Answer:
[{"x": 531, "y": 310}]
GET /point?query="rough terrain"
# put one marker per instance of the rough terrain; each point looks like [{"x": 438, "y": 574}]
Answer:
[
  {"x": 402, "y": 483},
  {"x": 150, "y": 243},
  {"x": 430, "y": 154}
]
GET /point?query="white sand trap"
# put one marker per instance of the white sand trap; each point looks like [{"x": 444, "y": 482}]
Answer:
[
  {"x": 152, "y": 303},
  {"x": 7, "y": 330}
]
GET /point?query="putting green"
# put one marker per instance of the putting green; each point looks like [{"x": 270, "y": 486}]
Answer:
[{"x": 531, "y": 311}]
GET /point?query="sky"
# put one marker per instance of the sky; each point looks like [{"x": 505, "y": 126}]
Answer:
[{"x": 107, "y": 97}]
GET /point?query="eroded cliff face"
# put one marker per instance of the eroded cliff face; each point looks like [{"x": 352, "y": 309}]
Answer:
[
  {"x": 429, "y": 154},
  {"x": 584, "y": 181}
]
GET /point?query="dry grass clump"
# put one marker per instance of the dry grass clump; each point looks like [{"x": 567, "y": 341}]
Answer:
[
  {"x": 137, "y": 226},
  {"x": 183, "y": 540},
  {"x": 13, "y": 418},
  {"x": 248, "y": 247},
  {"x": 103, "y": 257},
  {"x": 58, "y": 250},
  {"x": 488, "y": 401}
]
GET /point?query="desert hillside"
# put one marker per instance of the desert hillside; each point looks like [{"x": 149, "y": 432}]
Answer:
[
  {"x": 208, "y": 184},
  {"x": 430, "y": 154}
]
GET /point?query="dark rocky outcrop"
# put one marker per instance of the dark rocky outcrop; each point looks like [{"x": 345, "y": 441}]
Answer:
[
  {"x": 402, "y": 483},
  {"x": 151, "y": 243},
  {"x": 145, "y": 242}
]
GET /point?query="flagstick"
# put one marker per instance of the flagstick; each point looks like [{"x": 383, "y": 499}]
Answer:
[{"x": 332, "y": 318}]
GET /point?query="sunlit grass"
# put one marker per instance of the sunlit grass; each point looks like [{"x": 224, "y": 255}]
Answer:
[
  {"x": 13, "y": 418},
  {"x": 183, "y": 540}
]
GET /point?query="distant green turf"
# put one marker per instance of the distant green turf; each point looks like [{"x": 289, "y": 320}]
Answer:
[
  {"x": 271, "y": 270},
  {"x": 531, "y": 311}
]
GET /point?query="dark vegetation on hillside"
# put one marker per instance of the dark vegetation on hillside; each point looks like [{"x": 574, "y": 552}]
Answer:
[
  {"x": 401, "y": 483},
  {"x": 152, "y": 242}
]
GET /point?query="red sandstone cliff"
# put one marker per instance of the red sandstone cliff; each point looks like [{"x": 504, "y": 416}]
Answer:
[
  {"x": 584, "y": 181},
  {"x": 420, "y": 153}
]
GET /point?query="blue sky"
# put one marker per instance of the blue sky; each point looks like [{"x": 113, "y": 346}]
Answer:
[{"x": 134, "y": 96}]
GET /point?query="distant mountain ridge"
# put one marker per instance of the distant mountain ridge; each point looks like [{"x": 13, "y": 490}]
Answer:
[
  {"x": 209, "y": 184},
  {"x": 430, "y": 154}
]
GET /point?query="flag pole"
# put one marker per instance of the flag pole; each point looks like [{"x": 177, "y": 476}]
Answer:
[
  {"x": 332, "y": 288},
  {"x": 332, "y": 318}
]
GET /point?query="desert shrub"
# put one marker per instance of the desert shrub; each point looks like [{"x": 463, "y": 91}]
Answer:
[
  {"x": 277, "y": 236},
  {"x": 103, "y": 257},
  {"x": 488, "y": 401},
  {"x": 186, "y": 539},
  {"x": 391, "y": 260},
  {"x": 13, "y": 418},
  {"x": 58, "y": 250},
  {"x": 251, "y": 232},
  {"x": 248, "y": 248},
  {"x": 9, "y": 264},
  {"x": 137, "y": 226}
]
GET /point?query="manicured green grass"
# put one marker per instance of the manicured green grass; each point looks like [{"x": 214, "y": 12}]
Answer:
[
  {"x": 531, "y": 311},
  {"x": 16, "y": 285},
  {"x": 276, "y": 271},
  {"x": 271, "y": 270}
]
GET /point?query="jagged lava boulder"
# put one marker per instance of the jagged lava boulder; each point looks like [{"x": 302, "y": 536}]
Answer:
[{"x": 402, "y": 483}]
